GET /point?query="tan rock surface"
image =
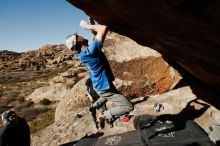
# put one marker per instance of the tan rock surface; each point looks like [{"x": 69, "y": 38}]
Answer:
[
  {"x": 75, "y": 98},
  {"x": 148, "y": 71},
  {"x": 53, "y": 93}
]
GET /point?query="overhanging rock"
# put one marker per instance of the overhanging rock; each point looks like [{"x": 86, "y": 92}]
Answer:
[{"x": 188, "y": 30}]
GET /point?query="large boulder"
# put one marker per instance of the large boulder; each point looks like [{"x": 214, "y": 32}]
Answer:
[
  {"x": 144, "y": 67},
  {"x": 52, "y": 93},
  {"x": 185, "y": 31}
]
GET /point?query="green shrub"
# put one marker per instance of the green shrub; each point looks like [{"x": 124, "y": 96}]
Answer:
[
  {"x": 45, "y": 101},
  {"x": 69, "y": 57},
  {"x": 65, "y": 66},
  {"x": 30, "y": 113},
  {"x": 21, "y": 99}
]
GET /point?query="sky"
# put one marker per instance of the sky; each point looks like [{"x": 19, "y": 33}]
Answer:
[{"x": 30, "y": 24}]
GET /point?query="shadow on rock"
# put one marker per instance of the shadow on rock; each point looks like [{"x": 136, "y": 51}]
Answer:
[{"x": 202, "y": 91}]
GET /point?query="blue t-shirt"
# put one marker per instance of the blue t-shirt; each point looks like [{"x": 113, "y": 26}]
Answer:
[{"x": 93, "y": 58}]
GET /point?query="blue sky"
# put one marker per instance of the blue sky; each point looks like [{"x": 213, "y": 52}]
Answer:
[{"x": 30, "y": 24}]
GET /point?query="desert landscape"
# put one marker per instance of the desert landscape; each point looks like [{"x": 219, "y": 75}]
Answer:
[{"x": 166, "y": 55}]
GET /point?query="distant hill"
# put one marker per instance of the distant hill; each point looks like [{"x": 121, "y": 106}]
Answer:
[
  {"x": 46, "y": 57},
  {"x": 6, "y": 55}
]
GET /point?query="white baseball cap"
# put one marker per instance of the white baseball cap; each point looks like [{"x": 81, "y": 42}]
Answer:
[{"x": 71, "y": 42}]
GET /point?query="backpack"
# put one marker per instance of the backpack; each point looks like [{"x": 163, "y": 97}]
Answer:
[{"x": 158, "y": 133}]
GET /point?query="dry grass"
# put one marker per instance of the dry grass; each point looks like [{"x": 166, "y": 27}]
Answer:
[{"x": 43, "y": 120}]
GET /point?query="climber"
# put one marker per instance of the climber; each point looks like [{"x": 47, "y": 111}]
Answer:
[
  {"x": 100, "y": 73},
  {"x": 15, "y": 130}
]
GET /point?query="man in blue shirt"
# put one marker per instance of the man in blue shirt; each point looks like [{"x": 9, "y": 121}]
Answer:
[{"x": 100, "y": 73}]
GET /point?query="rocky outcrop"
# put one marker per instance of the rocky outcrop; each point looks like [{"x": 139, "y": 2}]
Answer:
[
  {"x": 8, "y": 55},
  {"x": 78, "y": 123},
  {"x": 185, "y": 31},
  {"x": 46, "y": 57}
]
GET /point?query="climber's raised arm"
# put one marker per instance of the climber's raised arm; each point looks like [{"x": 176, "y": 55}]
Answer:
[{"x": 98, "y": 30}]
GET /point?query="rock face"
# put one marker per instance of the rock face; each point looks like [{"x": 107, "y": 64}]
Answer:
[
  {"x": 75, "y": 98},
  {"x": 185, "y": 31},
  {"x": 145, "y": 68}
]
